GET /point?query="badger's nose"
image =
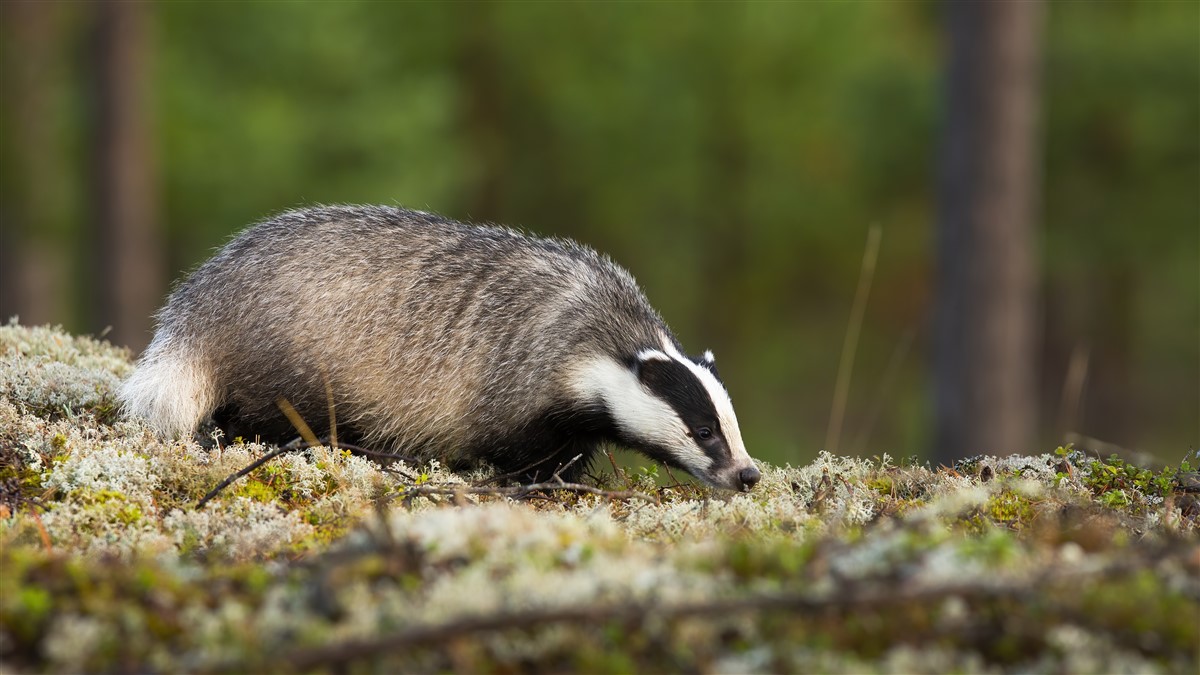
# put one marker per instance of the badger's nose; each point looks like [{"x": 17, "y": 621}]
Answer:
[{"x": 749, "y": 477}]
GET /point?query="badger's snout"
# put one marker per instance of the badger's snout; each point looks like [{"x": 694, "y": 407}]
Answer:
[
  {"x": 733, "y": 478},
  {"x": 748, "y": 478}
]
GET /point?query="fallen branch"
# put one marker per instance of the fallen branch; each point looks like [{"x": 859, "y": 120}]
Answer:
[
  {"x": 878, "y": 599},
  {"x": 374, "y": 454},
  {"x": 253, "y": 465},
  {"x": 522, "y": 490},
  {"x": 427, "y": 490}
]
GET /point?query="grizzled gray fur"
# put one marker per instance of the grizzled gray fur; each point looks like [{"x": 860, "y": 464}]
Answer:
[{"x": 437, "y": 339}]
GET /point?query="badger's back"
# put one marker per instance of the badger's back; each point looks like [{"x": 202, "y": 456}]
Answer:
[{"x": 431, "y": 336}]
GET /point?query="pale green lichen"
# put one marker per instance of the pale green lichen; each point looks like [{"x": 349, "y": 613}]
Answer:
[
  {"x": 115, "y": 568},
  {"x": 48, "y": 372}
]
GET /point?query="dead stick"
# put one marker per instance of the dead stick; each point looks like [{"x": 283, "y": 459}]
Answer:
[
  {"x": 307, "y": 659},
  {"x": 254, "y": 465},
  {"x": 521, "y": 490}
]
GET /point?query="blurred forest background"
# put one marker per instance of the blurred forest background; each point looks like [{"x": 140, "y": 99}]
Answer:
[{"x": 732, "y": 156}]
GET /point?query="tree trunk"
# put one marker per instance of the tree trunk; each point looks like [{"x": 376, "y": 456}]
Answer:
[
  {"x": 128, "y": 282},
  {"x": 32, "y": 263},
  {"x": 984, "y": 333},
  {"x": 483, "y": 118}
]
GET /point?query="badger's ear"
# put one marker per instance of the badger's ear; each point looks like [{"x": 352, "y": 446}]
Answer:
[{"x": 708, "y": 361}]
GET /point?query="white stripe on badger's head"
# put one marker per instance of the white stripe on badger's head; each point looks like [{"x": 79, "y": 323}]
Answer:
[
  {"x": 674, "y": 409},
  {"x": 642, "y": 419},
  {"x": 738, "y": 459}
]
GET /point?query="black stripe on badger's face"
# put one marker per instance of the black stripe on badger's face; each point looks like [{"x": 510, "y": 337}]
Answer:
[{"x": 674, "y": 383}]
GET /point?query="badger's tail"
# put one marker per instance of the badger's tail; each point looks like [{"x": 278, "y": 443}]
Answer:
[{"x": 170, "y": 389}]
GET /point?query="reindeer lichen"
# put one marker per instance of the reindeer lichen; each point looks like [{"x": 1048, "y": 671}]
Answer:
[{"x": 321, "y": 559}]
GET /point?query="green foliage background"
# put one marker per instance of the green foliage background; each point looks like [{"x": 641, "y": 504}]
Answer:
[{"x": 731, "y": 155}]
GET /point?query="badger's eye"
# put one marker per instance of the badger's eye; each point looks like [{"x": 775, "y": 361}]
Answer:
[{"x": 704, "y": 433}]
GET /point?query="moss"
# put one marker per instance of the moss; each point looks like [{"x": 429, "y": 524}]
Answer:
[
  {"x": 328, "y": 527},
  {"x": 1010, "y": 509},
  {"x": 18, "y": 483},
  {"x": 883, "y": 485},
  {"x": 98, "y": 496},
  {"x": 189, "y": 542},
  {"x": 994, "y": 547},
  {"x": 27, "y": 610},
  {"x": 126, "y": 512},
  {"x": 1052, "y": 562},
  {"x": 750, "y": 559},
  {"x": 256, "y": 490}
]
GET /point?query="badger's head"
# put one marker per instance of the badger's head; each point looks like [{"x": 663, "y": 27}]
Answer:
[{"x": 675, "y": 410}]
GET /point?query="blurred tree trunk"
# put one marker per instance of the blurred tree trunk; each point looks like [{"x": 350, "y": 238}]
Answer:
[
  {"x": 128, "y": 279},
  {"x": 984, "y": 334},
  {"x": 480, "y": 75},
  {"x": 724, "y": 218},
  {"x": 32, "y": 264}
]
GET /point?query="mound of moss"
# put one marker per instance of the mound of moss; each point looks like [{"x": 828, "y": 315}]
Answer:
[{"x": 324, "y": 560}]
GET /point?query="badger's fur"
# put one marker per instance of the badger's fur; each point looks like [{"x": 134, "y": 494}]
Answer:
[{"x": 435, "y": 339}]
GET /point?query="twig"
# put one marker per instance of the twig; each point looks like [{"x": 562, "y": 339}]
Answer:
[
  {"x": 376, "y": 454},
  {"x": 525, "y": 469},
  {"x": 253, "y": 465},
  {"x": 798, "y": 603},
  {"x": 511, "y": 474},
  {"x": 332, "y": 414},
  {"x": 617, "y": 472},
  {"x": 841, "y": 389},
  {"x": 522, "y": 490},
  {"x": 677, "y": 482},
  {"x": 297, "y": 421},
  {"x": 556, "y": 476}
]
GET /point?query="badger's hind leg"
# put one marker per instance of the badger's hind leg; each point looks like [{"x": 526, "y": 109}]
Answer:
[
  {"x": 172, "y": 392},
  {"x": 267, "y": 424}
]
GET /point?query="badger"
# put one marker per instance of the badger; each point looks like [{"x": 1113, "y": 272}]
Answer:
[{"x": 434, "y": 339}]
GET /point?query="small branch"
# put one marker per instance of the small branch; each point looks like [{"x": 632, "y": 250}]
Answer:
[
  {"x": 556, "y": 476},
  {"x": 525, "y": 470},
  {"x": 374, "y": 454},
  {"x": 332, "y": 413},
  {"x": 677, "y": 483},
  {"x": 805, "y": 604},
  {"x": 617, "y": 472},
  {"x": 253, "y": 465},
  {"x": 522, "y": 490},
  {"x": 499, "y": 478},
  {"x": 297, "y": 421},
  {"x": 310, "y": 443}
]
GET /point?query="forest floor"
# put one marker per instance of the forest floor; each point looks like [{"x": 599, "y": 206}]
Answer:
[{"x": 322, "y": 560}]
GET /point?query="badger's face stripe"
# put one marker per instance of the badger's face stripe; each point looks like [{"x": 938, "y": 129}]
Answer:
[
  {"x": 674, "y": 383},
  {"x": 642, "y": 418},
  {"x": 671, "y": 407},
  {"x": 706, "y": 373}
]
